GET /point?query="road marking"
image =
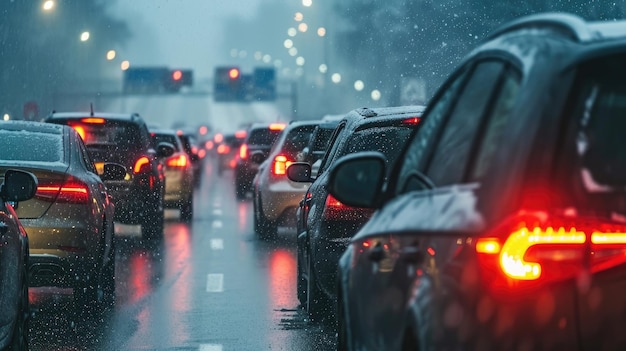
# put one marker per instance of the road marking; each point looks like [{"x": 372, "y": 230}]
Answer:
[
  {"x": 217, "y": 224},
  {"x": 210, "y": 347},
  {"x": 217, "y": 244},
  {"x": 217, "y": 212},
  {"x": 215, "y": 282}
]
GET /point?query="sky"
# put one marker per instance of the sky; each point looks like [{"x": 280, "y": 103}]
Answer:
[{"x": 178, "y": 33}]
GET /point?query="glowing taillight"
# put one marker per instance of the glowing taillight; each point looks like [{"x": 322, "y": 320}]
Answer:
[
  {"x": 218, "y": 138},
  {"x": 335, "y": 210},
  {"x": 280, "y": 165},
  {"x": 412, "y": 120},
  {"x": 142, "y": 165},
  {"x": 240, "y": 134},
  {"x": 72, "y": 191},
  {"x": 93, "y": 120},
  {"x": 177, "y": 161},
  {"x": 223, "y": 149},
  {"x": 80, "y": 130},
  {"x": 277, "y": 126},
  {"x": 209, "y": 145},
  {"x": 243, "y": 151},
  {"x": 201, "y": 153}
]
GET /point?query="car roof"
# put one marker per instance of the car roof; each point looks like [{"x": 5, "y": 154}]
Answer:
[
  {"x": 129, "y": 117},
  {"x": 29, "y": 126}
]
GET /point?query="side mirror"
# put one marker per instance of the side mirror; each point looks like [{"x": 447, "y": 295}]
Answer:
[
  {"x": 18, "y": 186},
  {"x": 357, "y": 179},
  {"x": 113, "y": 171},
  {"x": 257, "y": 157},
  {"x": 299, "y": 172},
  {"x": 164, "y": 150}
]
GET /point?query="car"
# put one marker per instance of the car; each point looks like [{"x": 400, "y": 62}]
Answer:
[
  {"x": 275, "y": 197},
  {"x": 17, "y": 186},
  {"x": 502, "y": 225},
  {"x": 259, "y": 140},
  {"x": 69, "y": 221},
  {"x": 325, "y": 225},
  {"x": 179, "y": 174},
  {"x": 318, "y": 144},
  {"x": 227, "y": 150},
  {"x": 195, "y": 154},
  {"x": 124, "y": 139}
]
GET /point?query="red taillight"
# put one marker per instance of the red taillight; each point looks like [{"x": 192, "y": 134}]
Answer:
[
  {"x": 240, "y": 134},
  {"x": 80, "y": 130},
  {"x": 243, "y": 151},
  {"x": 280, "y": 165},
  {"x": 412, "y": 120},
  {"x": 201, "y": 153},
  {"x": 218, "y": 138},
  {"x": 93, "y": 120},
  {"x": 334, "y": 210},
  {"x": 142, "y": 165},
  {"x": 72, "y": 191},
  {"x": 541, "y": 249},
  {"x": 209, "y": 145},
  {"x": 177, "y": 161},
  {"x": 277, "y": 126},
  {"x": 223, "y": 149}
]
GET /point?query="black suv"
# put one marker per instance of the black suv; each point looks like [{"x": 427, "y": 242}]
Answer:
[
  {"x": 124, "y": 139},
  {"x": 503, "y": 223},
  {"x": 258, "y": 141},
  {"x": 325, "y": 225}
]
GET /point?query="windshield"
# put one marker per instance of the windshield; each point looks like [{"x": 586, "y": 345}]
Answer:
[{"x": 234, "y": 246}]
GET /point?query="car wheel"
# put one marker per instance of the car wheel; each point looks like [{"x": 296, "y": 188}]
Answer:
[
  {"x": 19, "y": 339},
  {"x": 315, "y": 301},
  {"x": 301, "y": 284},
  {"x": 186, "y": 210}
]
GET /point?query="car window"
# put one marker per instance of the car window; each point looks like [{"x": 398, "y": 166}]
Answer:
[
  {"x": 84, "y": 155},
  {"x": 122, "y": 135},
  {"x": 297, "y": 139},
  {"x": 262, "y": 136},
  {"x": 42, "y": 147},
  {"x": 386, "y": 139},
  {"x": 332, "y": 148},
  {"x": 414, "y": 155},
  {"x": 165, "y": 138},
  {"x": 493, "y": 134},
  {"x": 452, "y": 153}
]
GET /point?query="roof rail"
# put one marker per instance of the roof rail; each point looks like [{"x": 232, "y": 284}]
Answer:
[
  {"x": 572, "y": 26},
  {"x": 366, "y": 112}
]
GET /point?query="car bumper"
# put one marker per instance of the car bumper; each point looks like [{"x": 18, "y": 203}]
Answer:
[{"x": 178, "y": 187}]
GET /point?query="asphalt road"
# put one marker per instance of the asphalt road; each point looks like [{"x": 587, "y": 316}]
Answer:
[{"x": 211, "y": 285}]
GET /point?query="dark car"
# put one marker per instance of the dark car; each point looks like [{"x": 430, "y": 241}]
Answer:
[
  {"x": 325, "y": 225},
  {"x": 502, "y": 226},
  {"x": 69, "y": 221},
  {"x": 259, "y": 140},
  {"x": 124, "y": 139},
  {"x": 14, "y": 308},
  {"x": 227, "y": 151}
]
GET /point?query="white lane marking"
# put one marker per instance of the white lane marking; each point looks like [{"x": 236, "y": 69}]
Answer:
[
  {"x": 217, "y": 212},
  {"x": 217, "y": 224},
  {"x": 217, "y": 244},
  {"x": 210, "y": 347},
  {"x": 215, "y": 282}
]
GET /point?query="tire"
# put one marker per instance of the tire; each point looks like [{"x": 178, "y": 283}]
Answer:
[
  {"x": 342, "y": 331},
  {"x": 301, "y": 284},
  {"x": 19, "y": 339},
  {"x": 186, "y": 210},
  {"x": 315, "y": 300}
]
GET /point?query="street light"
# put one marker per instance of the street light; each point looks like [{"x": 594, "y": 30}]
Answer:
[
  {"x": 6, "y": 117},
  {"x": 111, "y": 55},
  {"x": 359, "y": 85},
  {"x": 125, "y": 65},
  {"x": 84, "y": 36},
  {"x": 376, "y": 95},
  {"x": 307, "y": 3},
  {"x": 48, "y": 5}
]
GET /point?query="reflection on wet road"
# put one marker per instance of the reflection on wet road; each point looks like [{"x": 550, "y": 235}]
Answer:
[{"x": 210, "y": 285}]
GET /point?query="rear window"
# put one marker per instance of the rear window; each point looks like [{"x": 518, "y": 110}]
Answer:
[
  {"x": 165, "y": 138},
  {"x": 297, "y": 139},
  {"x": 322, "y": 138},
  {"x": 263, "y": 136},
  {"x": 122, "y": 135},
  {"x": 31, "y": 146},
  {"x": 601, "y": 137},
  {"x": 388, "y": 140}
]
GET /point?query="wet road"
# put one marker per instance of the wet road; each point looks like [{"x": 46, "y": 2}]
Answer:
[{"x": 211, "y": 285}]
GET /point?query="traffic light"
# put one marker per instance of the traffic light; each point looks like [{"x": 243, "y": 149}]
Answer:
[
  {"x": 227, "y": 84},
  {"x": 151, "y": 80},
  {"x": 177, "y": 79}
]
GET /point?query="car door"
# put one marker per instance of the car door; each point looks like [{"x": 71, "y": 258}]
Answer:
[{"x": 405, "y": 267}]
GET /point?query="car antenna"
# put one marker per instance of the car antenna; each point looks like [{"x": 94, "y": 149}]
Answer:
[{"x": 91, "y": 108}]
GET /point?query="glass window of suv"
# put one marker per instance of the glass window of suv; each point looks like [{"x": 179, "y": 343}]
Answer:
[
  {"x": 262, "y": 136},
  {"x": 448, "y": 163}
]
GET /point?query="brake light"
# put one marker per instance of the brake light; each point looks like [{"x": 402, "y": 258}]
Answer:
[
  {"x": 142, "y": 165},
  {"x": 218, "y": 138},
  {"x": 223, "y": 149},
  {"x": 334, "y": 210},
  {"x": 551, "y": 249},
  {"x": 93, "y": 120},
  {"x": 72, "y": 191},
  {"x": 240, "y": 134},
  {"x": 277, "y": 126},
  {"x": 209, "y": 145},
  {"x": 243, "y": 151},
  {"x": 201, "y": 153},
  {"x": 280, "y": 165},
  {"x": 177, "y": 161},
  {"x": 80, "y": 130},
  {"x": 412, "y": 120}
]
